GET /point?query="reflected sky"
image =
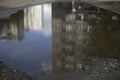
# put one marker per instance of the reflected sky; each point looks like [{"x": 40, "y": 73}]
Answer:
[{"x": 26, "y": 38}]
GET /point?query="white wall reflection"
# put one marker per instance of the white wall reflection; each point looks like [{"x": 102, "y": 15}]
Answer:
[
  {"x": 47, "y": 19},
  {"x": 33, "y": 18},
  {"x": 38, "y": 18}
]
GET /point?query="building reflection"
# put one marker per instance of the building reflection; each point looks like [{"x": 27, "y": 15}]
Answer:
[
  {"x": 36, "y": 18},
  {"x": 33, "y": 18},
  {"x": 12, "y": 28},
  {"x": 76, "y": 36},
  {"x": 70, "y": 37}
]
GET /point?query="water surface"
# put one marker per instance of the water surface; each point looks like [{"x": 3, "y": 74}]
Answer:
[{"x": 62, "y": 41}]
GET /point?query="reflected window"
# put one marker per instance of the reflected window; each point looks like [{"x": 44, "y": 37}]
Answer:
[
  {"x": 114, "y": 17},
  {"x": 59, "y": 64},
  {"x": 69, "y": 47},
  {"x": 69, "y": 58},
  {"x": 70, "y": 17},
  {"x": 80, "y": 37},
  {"x": 81, "y": 16},
  {"x": 58, "y": 36},
  {"x": 88, "y": 28},
  {"x": 69, "y": 37},
  {"x": 68, "y": 66},
  {"x": 79, "y": 66},
  {"x": 59, "y": 26},
  {"x": 92, "y": 16},
  {"x": 69, "y": 27},
  {"x": 85, "y": 28},
  {"x": 80, "y": 28}
]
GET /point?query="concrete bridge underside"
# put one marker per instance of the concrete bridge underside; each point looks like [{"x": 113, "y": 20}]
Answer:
[{"x": 112, "y": 5}]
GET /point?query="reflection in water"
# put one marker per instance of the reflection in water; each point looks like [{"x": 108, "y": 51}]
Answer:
[
  {"x": 81, "y": 41},
  {"x": 33, "y": 37},
  {"x": 71, "y": 37},
  {"x": 12, "y": 29},
  {"x": 105, "y": 35},
  {"x": 47, "y": 18},
  {"x": 85, "y": 42},
  {"x": 33, "y": 18}
]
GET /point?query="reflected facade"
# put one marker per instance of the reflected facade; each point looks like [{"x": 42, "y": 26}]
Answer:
[
  {"x": 71, "y": 37},
  {"x": 29, "y": 19},
  {"x": 33, "y": 18},
  {"x": 12, "y": 29},
  {"x": 79, "y": 51},
  {"x": 24, "y": 36}
]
